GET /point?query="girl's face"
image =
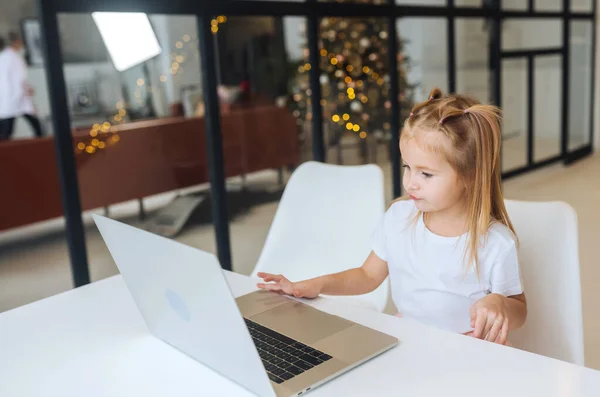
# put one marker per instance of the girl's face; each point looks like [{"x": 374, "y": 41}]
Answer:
[{"x": 429, "y": 179}]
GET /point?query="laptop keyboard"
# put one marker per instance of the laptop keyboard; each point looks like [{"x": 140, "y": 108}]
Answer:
[{"x": 283, "y": 357}]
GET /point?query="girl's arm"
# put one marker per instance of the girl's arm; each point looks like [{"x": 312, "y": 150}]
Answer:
[{"x": 356, "y": 281}]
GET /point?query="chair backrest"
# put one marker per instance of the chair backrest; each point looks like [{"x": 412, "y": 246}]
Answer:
[
  {"x": 549, "y": 259},
  {"x": 323, "y": 225}
]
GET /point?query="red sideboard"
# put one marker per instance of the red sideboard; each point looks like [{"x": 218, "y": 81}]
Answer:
[{"x": 151, "y": 157}]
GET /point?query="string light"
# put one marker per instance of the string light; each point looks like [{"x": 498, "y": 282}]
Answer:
[
  {"x": 363, "y": 135},
  {"x": 346, "y": 116},
  {"x": 335, "y": 118},
  {"x": 349, "y": 126},
  {"x": 215, "y": 23},
  {"x": 140, "y": 82}
]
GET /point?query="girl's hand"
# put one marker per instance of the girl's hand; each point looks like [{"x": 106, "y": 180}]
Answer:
[
  {"x": 303, "y": 289},
  {"x": 489, "y": 319}
]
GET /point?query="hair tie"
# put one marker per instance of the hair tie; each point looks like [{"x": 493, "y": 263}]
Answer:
[
  {"x": 466, "y": 111},
  {"x": 442, "y": 120},
  {"x": 411, "y": 114},
  {"x": 431, "y": 98}
]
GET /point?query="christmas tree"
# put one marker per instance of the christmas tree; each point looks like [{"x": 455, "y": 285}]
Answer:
[{"x": 354, "y": 79}]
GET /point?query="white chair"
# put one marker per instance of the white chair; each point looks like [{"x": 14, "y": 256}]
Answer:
[
  {"x": 549, "y": 260},
  {"x": 324, "y": 223}
]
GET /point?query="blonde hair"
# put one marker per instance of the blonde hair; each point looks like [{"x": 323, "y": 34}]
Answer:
[{"x": 474, "y": 132}]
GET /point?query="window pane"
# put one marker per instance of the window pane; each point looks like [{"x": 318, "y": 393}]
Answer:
[
  {"x": 514, "y": 106},
  {"x": 468, "y": 3},
  {"x": 548, "y": 5},
  {"x": 515, "y": 5},
  {"x": 259, "y": 61},
  {"x": 426, "y": 52},
  {"x": 519, "y": 34},
  {"x": 580, "y": 84},
  {"x": 582, "y": 5},
  {"x": 547, "y": 107},
  {"x": 472, "y": 58},
  {"x": 355, "y": 86}
]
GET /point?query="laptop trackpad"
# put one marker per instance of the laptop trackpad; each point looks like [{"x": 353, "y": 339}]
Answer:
[{"x": 301, "y": 322}]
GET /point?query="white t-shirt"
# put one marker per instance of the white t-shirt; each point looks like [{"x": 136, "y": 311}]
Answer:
[{"x": 429, "y": 280}]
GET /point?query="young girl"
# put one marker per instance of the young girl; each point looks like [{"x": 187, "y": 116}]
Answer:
[{"x": 449, "y": 246}]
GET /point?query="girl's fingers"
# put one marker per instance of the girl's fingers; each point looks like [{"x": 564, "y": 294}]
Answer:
[
  {"x": 263, "y": 275},
  {"x": 270, "y": 277},
  {"x": 480, "y": 321},
  {"x": 495, "y": 330},
  {"x": 270, "y": 287},
  {"x": 503, "y": 336},
  {"x": 490, "y": 320}
]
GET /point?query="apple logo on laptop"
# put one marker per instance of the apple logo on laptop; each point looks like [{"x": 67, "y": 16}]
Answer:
[{"x": 178, "y": 305}]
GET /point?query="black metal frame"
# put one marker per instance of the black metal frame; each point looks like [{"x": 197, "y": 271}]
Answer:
[{"x": 312, "y": 10}]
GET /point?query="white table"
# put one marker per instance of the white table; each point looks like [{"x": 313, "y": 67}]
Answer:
[{"x": 93, "y": 342}]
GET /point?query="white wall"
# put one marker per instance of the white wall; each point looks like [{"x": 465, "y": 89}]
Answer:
[{"x": 169, "y": 30}]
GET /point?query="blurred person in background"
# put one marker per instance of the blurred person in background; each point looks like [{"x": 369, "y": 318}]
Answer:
[{"x": 15, "y": 93}]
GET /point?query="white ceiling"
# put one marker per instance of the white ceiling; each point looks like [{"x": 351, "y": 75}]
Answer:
[{"x": 12, "y": 11}]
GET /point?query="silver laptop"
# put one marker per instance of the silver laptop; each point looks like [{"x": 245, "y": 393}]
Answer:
[{"x": 270, "y": 344}]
